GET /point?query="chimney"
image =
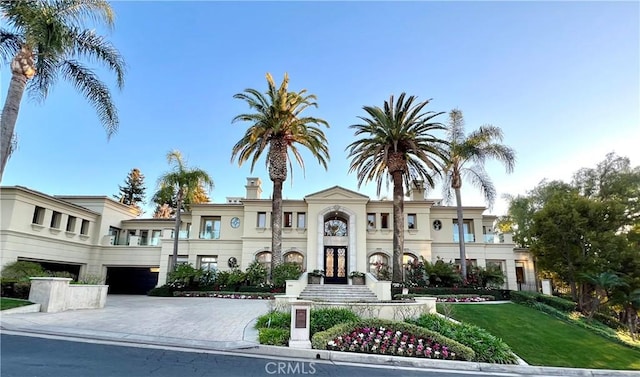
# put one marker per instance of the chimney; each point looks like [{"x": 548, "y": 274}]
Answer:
[
  {"x": 253, "y": 188},
  {"x": 417, "y": 190}
]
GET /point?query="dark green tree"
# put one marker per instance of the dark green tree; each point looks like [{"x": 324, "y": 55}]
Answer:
[{"x": 132, "y": 193}]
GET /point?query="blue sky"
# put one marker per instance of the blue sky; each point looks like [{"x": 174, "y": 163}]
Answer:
[{"x": 561, "y": 79}]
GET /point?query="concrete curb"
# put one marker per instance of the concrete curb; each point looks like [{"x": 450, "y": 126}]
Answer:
[
  {"x": 33, "y": 308},
  {"x": 360, "y": 358}
]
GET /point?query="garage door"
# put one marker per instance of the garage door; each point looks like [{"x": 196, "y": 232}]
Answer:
[{"x": 131, "y": 280}]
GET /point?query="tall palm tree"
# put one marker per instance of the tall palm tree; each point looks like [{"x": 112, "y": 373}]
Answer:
[
  {"x": 185, "y": 182},
  {"x": 475, "y": 149},
  {"x": 397, "y": 145},
  {"x": 48, "y": 39},
  {"x": 277, "y": 125}
]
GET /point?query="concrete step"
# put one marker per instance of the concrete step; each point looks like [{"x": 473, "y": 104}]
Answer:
[{"x": 338, "y": 293}]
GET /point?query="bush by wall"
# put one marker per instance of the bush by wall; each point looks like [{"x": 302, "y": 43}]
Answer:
[
  {"x": 499, "y": 294},
  {"x": 274, "y": 336},
  {"x": 326, "y": 318},
  {"x": 487, "y": 348},
  {"x": 164, "y": 291},
  {"x": 531, "y": 298}
]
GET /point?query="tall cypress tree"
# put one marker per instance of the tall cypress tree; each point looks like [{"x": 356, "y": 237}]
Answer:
[{"x": 133, "y": 191}]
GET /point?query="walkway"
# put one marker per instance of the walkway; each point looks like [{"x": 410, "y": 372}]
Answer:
[{"x": 214, "y": 323}]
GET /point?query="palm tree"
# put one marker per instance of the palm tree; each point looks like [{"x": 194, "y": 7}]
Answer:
[
  {"x": 47, "y": 40},
  {"x": 475, "y": 149},
  {"x": 184, "y": 182},
  {"x": 603, "y": 285},
  {"x": 397, "y": 145},
  {"x": 278, "y": 126}
]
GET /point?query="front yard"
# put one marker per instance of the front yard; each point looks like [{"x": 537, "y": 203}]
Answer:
[{"x": 541, "y": 339}]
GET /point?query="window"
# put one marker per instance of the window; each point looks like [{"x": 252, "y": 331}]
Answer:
[
  {"x": 302, "y": 220},
  {"x": 115, "y": 232},
  {"x": 84, "y": 228},
  {"x": 181, "y": 259},
  {"x": 264, "y": 258},
  {"x": 56, "y": 219},
  {"x": 287, "y": 221},
  {"x": 262, "y": 220},
  {"x": 336, "y": 227},
  {"x": 379, "y": 266},
  {"x": 384, "y": 220},
  {"x": 38, "y": 216},
  {"x": 210, "y": 228},
  {"x": 155, "y": 237},
  {"x": 469, "y": 236},
  {"x": 437, "y": 225},
  {"x": 294, "y": 257},
  {"x": 411, "y": 221},
  {"x": 371, "y": 220},
  {"x": 209, "y": 263},
  {"x": 71, "y": 224},
  {"x": 144, "y": 238}
]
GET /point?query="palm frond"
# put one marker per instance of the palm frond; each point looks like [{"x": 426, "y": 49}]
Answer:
[
  {"x": 86, "y": 43},
  {"x": 95, "y": 91},
  {"x": 480, "y": 179},
  {"x": 76, "y": 12},
  {"x": 10, "y": 44}
]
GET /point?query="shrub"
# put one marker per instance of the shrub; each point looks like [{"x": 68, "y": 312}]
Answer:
[
  {"x": 256, "y": 273},
  {"x": 499, "y": 294},
  {"x": 164, "y": 291},
  {"x": 91, "y": 279},
  {"x": 558, "y": 303},
  {"x": 262, "y": 289},
  {"x": 274, "y": 319},
  {"x": 273, "y": 336},
  {"x": 321, "y": 339},
  {"x": 326, "y": 318},
  {"x": 487, "y": 347},
  {"x": 531, "y": 298},
  {"x": 22, "y": 271},
  {"x": 284, "y": 272}
]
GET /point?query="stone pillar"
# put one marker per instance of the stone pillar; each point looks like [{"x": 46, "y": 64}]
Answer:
[
  {"x": 50, "y": 293},
  {"x": 300, "y": 326}
]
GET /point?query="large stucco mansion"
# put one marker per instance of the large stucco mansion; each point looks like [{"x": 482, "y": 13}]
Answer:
[{"x": 336, "y": 230}]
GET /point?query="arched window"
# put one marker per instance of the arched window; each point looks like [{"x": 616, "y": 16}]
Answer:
[
  {"x": 407, "y": 259},
  {"x": 294, "y": 257},
  {"x": 335, "y": 227},
  {"x": 264, "y": 258},
  {"x": 379, "y": 266}
]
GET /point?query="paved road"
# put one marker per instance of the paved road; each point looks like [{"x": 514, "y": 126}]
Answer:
[{"x": 39, "y": 357}]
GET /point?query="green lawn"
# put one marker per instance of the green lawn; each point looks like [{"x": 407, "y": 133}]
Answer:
[
  {"x": 543, "y": 340},
  {"x": 9, "y": 303}
]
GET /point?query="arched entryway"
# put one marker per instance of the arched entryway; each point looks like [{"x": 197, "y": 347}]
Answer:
[{"x": 336, "y": 244}]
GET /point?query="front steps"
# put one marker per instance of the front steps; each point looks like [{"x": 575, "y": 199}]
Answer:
[{"x": 337, "y": 293}]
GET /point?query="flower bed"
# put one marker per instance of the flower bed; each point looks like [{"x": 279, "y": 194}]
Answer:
[
  {"x": 464, "y": 298},
  {"x": 391, "y": 338},
  {"x": 234, "y": 295}
]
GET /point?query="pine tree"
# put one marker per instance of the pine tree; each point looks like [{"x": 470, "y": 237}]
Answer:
[{"x": 133, "y": 191}]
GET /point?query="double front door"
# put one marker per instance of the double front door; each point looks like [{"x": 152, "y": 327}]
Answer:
[{"x": 335, "y": 265}]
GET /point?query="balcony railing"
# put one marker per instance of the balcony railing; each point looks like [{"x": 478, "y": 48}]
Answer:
[
  {"x": 489, "y": 238},
  {"x": 210, "y": 235},
  {"x": 469, "y": 237}
]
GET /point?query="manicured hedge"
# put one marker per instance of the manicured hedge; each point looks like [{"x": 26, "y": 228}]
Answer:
[
  {"x": 530, "y": 298},
  {"x": 325, "y": 318},
  {"x": 499, "y": 294},
  {"x": 164, "y": 291},
  {"x": 487, "y": 348},
  {"x": 321, "y": 339},
  {"x": 274, "y": 336}
]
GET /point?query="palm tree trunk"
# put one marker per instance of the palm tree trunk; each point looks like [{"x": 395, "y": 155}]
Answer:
[
  {"x": 398, "y": 226},
  {"x": 276, "y": 225},
  {"x": 460, "y": 219},
  {"x": 176, "y": 231},
  {"x": 10, "y": 116}
]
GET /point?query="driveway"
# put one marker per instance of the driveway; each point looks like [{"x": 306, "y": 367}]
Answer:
[{"x": 185, "y": 321}]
